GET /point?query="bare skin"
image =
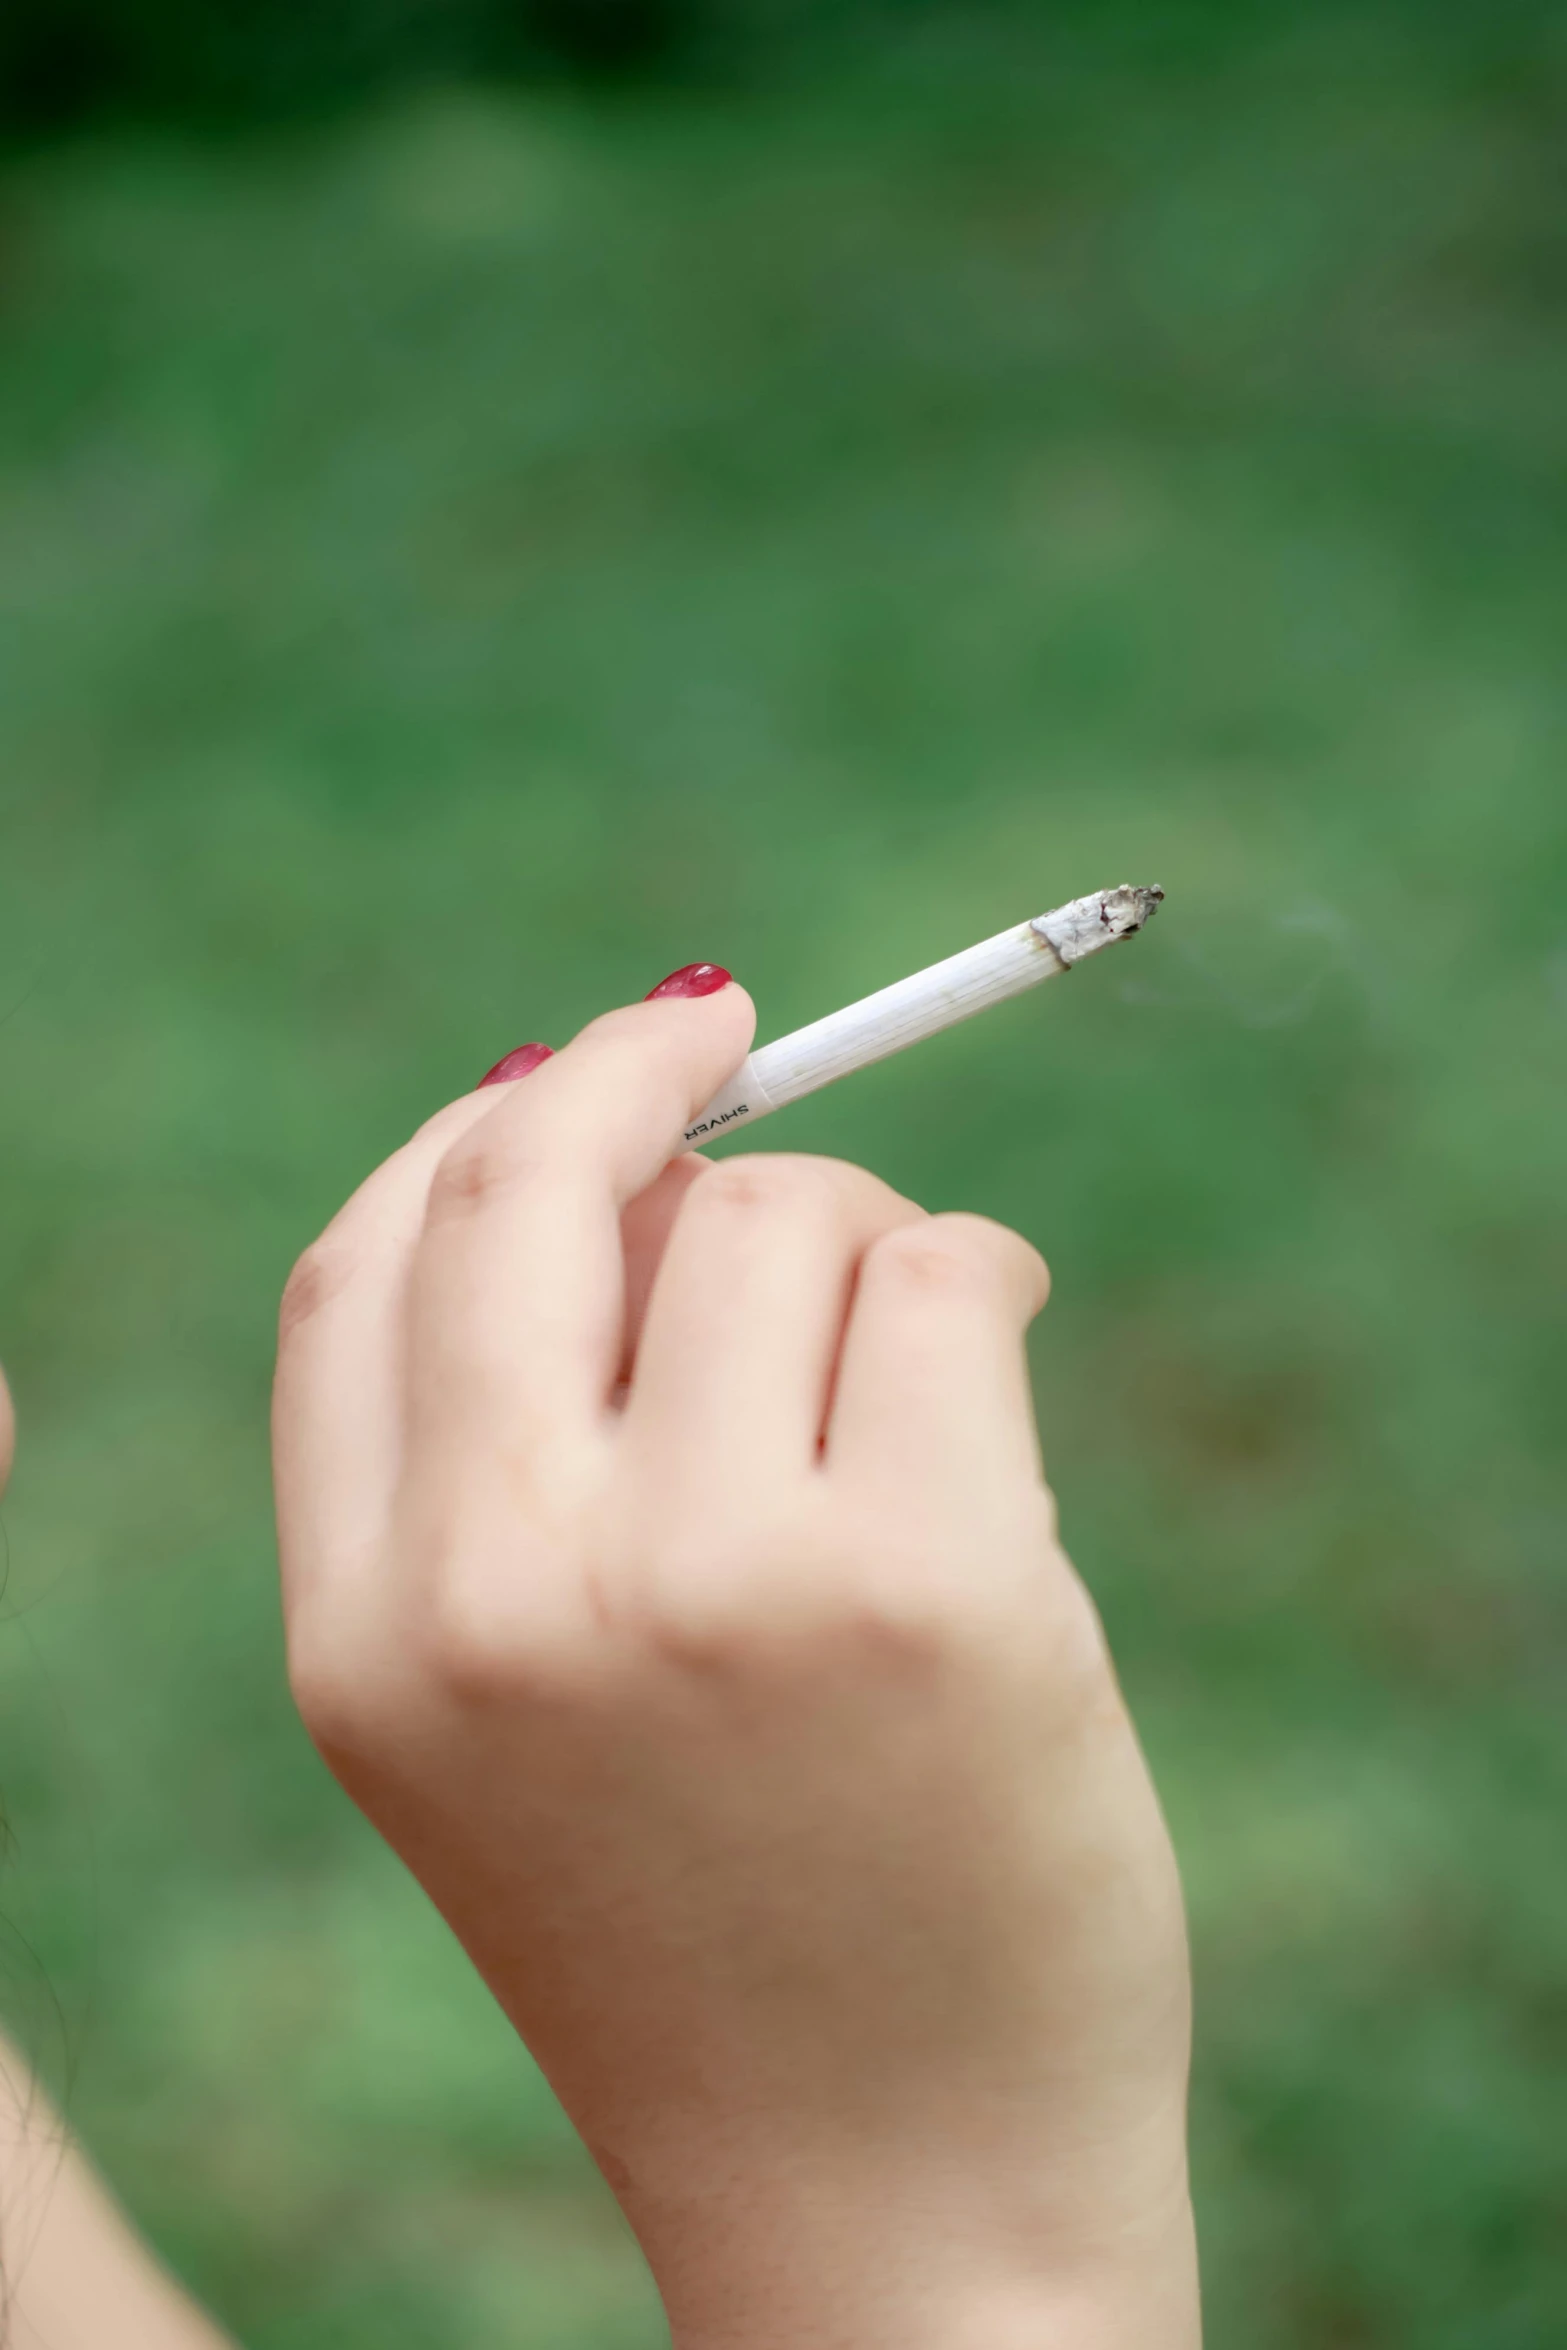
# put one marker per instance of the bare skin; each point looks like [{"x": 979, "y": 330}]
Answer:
[
  {"x": 73, "y": 2274},
  {"x": 670, "y": 1576}
]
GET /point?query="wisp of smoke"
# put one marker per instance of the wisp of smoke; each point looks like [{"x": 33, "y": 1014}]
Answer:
[{"x": 1249, "y": 988}]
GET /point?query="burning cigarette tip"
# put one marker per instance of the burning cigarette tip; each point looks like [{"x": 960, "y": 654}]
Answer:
[
  {"x": 926, "y": 1001},
  {"x": 1129, "y": 907},
  {"x": 1088, "y": 924}
]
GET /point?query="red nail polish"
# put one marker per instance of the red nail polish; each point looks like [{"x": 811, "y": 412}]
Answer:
[
  {"x": 520, "y": 1063},
  {"x": 692, "y": 979}
]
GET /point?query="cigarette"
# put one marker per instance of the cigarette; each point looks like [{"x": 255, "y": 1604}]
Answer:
[{"x": 921, "y": 1005}]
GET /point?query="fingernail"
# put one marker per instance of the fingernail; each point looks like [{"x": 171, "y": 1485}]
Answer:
[
  {"x": 519, "y": 1063},
  {"x": 692, "y": 979}
]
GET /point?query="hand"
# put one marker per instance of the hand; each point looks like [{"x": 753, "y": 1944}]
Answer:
[{"x": 670, "y": 1576}]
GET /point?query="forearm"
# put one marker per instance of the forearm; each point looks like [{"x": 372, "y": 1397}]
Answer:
[{"x": 76, "y": 2277}]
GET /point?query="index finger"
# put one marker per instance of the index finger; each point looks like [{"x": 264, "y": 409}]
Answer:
[{"x": 517, "y": 1295}]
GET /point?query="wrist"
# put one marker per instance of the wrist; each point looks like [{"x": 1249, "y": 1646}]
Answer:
[
  {"x": 889, "y": 2312},
  {"x": 852, "y": 2283}
]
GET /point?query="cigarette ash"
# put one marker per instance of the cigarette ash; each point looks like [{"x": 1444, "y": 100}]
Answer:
[{"x": 1088, "y": 924}]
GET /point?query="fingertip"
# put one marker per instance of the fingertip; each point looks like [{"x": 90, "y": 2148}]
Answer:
[
  {"x": 711, "y": 1031},
  {"x": 621, "y": 1092},
  {"x": 692, "y": 979},
  {"x": 730, "y": 1003},
  {"x": 521, "y": 1061},
  {"x": 733, "y": 1003}
]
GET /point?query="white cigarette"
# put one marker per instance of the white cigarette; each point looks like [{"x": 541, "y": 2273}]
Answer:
[{"x": 918, "y": 1006}]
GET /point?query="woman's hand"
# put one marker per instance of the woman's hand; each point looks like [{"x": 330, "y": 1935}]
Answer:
[{"x": 670, "y": 1577}]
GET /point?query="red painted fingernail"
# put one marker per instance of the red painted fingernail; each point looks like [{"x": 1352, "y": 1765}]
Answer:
[
  {"x": 692, "y": 979},
  {"x": 520, "y": 1063}
]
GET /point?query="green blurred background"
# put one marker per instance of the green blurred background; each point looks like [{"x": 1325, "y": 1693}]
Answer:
[{"x": 500, "y": 501}]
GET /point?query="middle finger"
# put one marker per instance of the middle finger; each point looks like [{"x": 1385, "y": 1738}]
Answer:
[{"x": 735, "y": 1365}]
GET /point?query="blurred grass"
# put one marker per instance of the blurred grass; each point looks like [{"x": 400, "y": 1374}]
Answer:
[{"x": 460, "y": 564}]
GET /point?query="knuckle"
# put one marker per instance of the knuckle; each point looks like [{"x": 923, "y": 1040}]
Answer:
[
  {"x": 484, "y": 1638},
  {"x": 712, "y": 1597},
  {"x": 699, "y": 1632},
  {"x": 1018, "y": 1261},
  {"x": 905, "y": 1623},
  {"x": 962, "y": 1255},
  {"x": 461, "y": 1649},
  {"x": 328, "y": 1694},
  {"x": 694, "y": 1603},
  {"x": 758, "y": 1599},
  {"x": 911, "y": 1598},
  {"x": 765, "y": 1180},
  {"x": 927, "y": 1258},
  {"x": 930, "y": 1589},
  {"x": 470, "y": 1176},
  {"x": 798, "y": 1183},
  {"x": 320, "y": 1274}
]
